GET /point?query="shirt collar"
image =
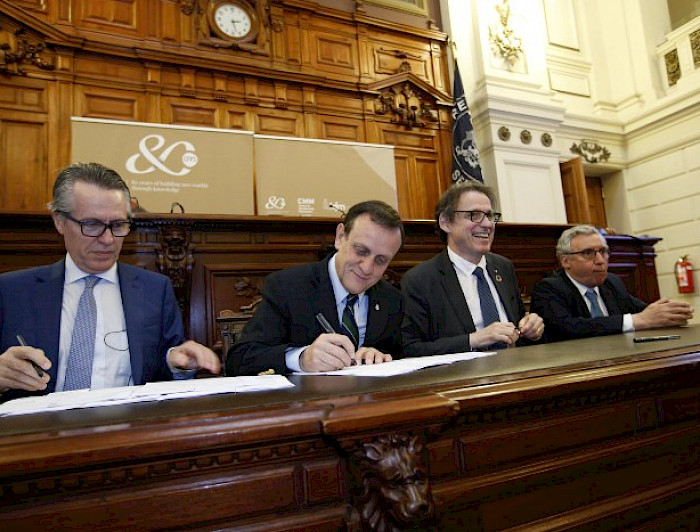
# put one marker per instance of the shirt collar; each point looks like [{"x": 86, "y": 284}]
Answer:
[
  {"x": 582, "y": 288},
  {"x": 463, "y": 264},
  {"x": 339, "y": 290},
  {"x": 73, "y": 273}
]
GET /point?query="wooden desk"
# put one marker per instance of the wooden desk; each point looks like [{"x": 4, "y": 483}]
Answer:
[{"x": 595, "y": 434}]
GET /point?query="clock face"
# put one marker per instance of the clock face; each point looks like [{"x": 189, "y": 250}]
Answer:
[{"x": 233, "y": 20}]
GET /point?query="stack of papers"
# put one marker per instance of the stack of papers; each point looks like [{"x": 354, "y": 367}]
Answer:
[
  {"x": 405, "y": 365},
  {"x": 154, "y": 391}
]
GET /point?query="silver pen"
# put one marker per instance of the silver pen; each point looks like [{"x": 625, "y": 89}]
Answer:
[{"x": 328, "y": 328}]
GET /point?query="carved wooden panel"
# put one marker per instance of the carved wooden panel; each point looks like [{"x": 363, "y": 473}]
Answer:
[
  {"x": 25, "y": 184},
  {"x": 113, "y": 16},
  {"x": 94, "y": 102}
]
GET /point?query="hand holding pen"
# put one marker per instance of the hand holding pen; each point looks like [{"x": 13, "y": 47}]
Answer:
[
  {"x": 23, "y": 368},
  {"x": 329, "y": 351}
]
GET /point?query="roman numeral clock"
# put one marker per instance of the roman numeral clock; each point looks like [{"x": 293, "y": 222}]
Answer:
[{"x": 238, "y": 24}]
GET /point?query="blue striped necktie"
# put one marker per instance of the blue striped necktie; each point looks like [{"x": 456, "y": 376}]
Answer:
[
  {"x": 349, "y": 324},
  {"x": 82, "y": 345}
]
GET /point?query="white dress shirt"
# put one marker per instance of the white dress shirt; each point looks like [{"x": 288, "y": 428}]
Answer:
[
  {"x": 111, "y": 365},
  {"x": 467, "y": 280}
]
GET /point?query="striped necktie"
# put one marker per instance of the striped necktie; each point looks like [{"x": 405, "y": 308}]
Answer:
[{"x": 349, "y": 324}]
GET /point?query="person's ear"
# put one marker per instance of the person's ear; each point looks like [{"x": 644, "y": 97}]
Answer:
[
  {"x": 444, "y": 223},
  {"x": 339, "y": 234},
  {"x": 59, "y": 222}
]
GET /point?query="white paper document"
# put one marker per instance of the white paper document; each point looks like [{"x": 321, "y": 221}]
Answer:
[
  {"x": 405, "y": 365},
  {"x": 154, "y": 391}
]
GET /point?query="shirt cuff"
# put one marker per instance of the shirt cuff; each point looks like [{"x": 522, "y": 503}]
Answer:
[
  {"x": 292, "y": 356},
  {"x": 627, "y": 323},
  {"x": 179, "y": 374}
]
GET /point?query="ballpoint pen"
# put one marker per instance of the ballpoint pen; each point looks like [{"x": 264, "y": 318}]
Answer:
[
  {"x": 38, "y": 370},
  {"x": 328, "y": 328}
]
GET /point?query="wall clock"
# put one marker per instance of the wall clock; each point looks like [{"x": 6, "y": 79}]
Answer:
[{"x": 233, "y": 20}]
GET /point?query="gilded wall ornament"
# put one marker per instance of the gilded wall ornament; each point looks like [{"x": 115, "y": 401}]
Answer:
[
  {"x": 504, "y": 133},
  {"x": 504, "y": 40},
  {"x": 525, "y": 136},
  {"x": 546, "y": 140},
  {"x": 695, "y": 47},
  {"x": 673, "y": 67},
  {"x": 591, "y": 151}
]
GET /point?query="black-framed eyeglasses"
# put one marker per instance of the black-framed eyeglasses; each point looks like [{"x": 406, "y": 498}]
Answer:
[
  {"x": 95, "y": 228},
  {"x": 478, "y": 216},
  {"x": 589, "y": 254},
  {"x": 117, "y": 340}
]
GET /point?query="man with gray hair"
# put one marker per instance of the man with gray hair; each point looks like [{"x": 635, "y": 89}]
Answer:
[
  {"x": 582, "y": 299},
  {"x": 88, "y": 321}
]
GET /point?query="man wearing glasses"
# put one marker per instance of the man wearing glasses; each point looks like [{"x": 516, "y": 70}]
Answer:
[
  {"x": 88, "y": 321},
  {"x": 582, "y": 299},
  {"x": 466, "y": 298}
]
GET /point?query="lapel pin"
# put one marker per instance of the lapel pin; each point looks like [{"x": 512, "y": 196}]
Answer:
[
  {"x": 376, "y": 306},
  {"x": 499, "y": 279}
]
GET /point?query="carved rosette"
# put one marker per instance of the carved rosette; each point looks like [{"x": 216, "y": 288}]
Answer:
[
  {"x": 175, "y": 260},
  {"x": 673, "y": 67},
  {"x": 391, "y": 484}
]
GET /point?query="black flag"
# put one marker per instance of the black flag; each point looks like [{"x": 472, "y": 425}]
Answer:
[{"x": 465, "y": 154}]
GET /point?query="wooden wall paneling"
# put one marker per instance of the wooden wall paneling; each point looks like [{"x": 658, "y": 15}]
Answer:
[
  {"x": 191, "y": 112},
  {"x": 279, "y": 122},
  {"x": 23, "y": 156},
  {"x": 334, "y": 50},
  {"x": 115, "y": 17},
  {"x": 114, "y": 104}
]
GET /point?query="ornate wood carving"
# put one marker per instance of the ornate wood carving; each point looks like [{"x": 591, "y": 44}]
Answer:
[
  {"x": 175, "y": 260},
  {"x": 392, "y": 483},
  {"x": 16, "y": 50}
]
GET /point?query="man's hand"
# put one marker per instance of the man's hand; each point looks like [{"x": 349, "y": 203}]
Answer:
[
  {"x": 192, "y": 355},
  {"x": 498, "y": 331},
  {"x": 663, "y": 313},
  {"x": 370, "y": 355},
  {"x": 17, "y": 372},
  {"x": 328, "y": 352},
  {"x": 531, "y": 326}
]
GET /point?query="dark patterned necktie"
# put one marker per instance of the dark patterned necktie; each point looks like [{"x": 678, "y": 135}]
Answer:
[
  {"x": 349, "y": 324},
  {"x": 489, "y": 311},
  {"x": 82, "y": 345}
]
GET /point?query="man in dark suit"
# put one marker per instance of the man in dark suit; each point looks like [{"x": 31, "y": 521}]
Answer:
[
  {"x": 466, "y": 298},
  {"x": 583, "y": 299},
  {"x": 286, "y": 332},
  {"x": 134, "y": 332}
]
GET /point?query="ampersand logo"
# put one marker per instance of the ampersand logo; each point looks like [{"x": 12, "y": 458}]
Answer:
[
  {"x": 275, "y": 204},
  {"x": 188, "y": 159}
]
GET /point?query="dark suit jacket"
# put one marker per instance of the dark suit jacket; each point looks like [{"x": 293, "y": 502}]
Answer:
[
  {"x": 566, "y": 314},
  {"x": 30, "y": 305},
  {"x": 286, "y": 317},
  {"x": 437, "y": 319}
]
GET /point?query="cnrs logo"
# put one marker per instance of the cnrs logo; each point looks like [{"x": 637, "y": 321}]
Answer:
[{"x": 150, "y": 150}]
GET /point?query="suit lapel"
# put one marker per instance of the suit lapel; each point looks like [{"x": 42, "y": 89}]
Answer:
[
  {"x": 609, "y": 299},
  {"x": 581, "y": 305},
  {"x": 453, "y": 291},
  {"x": 132, "y": 292},
  {"x": 504, "y": 289},
  {"x": 323, "y": 297},
  {"x": 47, "y": 301},
  {"x": 377, "y": 316}
]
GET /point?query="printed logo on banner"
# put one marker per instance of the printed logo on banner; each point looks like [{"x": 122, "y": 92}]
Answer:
[
  {"x": 187, "y": 161},
  {"x": 306, "y": 206},
  {"x": 275, "y": 203},
  {"x": 334, "y": 206}
]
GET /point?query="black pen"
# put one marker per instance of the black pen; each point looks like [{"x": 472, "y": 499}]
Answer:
[
  {"x": 328, "y": 328},
  {"x": 640, "y": 339},
  {"x": 38, "y": 370}
]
